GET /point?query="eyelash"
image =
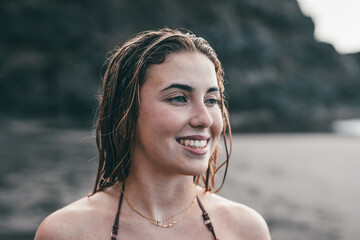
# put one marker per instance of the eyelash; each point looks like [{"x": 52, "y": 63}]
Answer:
[
  {"x": 178, "y": 99},
  {"x": 214, "y": 101},
  {"x": 183, "y": 99}
]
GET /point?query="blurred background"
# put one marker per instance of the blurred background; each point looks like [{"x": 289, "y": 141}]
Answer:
[{"x": 293, "y": 101}]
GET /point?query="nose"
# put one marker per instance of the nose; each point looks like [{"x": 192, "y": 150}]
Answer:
[{"x": 201, "y": 116}]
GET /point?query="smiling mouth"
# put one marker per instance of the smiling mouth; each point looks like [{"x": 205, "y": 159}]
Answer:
[{"x": 193, "y": 143}]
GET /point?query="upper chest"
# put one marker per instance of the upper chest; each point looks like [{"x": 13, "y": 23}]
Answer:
[
  {"x": 133, "y": 226},
  {"x": 192, "y": 227}
]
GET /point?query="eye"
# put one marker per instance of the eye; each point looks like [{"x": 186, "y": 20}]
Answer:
[
  {"x": 213, "y": 101},
  {"x": 178, "y": 99}
]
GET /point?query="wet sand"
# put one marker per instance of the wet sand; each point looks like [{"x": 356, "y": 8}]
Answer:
[{"x": 305, "y": 185}]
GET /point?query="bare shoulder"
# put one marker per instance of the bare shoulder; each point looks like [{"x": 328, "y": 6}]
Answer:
[
  {"x": 78, "y": 219},
  {"x": 236, "y": 220},
  {"x": 66, "y": 223}
]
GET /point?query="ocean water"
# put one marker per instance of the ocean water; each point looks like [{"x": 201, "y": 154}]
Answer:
[
  {"x": 305, "y": 186},
  {"x": 42, "y": 170}
]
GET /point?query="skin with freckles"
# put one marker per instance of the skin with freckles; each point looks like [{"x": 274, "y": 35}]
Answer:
[
  {"x": 178, "y": 100},
  {"x": 178, "y": 104}
]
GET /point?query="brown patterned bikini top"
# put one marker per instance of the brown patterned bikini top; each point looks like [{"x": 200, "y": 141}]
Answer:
[{"x": 205, "y": 216}]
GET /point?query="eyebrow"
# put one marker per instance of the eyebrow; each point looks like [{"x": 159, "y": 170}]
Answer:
[
  {"x": 213, "y": 89},
  {"x": 188, "y": 88}
]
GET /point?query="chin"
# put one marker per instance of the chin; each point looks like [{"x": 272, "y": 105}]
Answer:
[{"x": 196, "y": 170}]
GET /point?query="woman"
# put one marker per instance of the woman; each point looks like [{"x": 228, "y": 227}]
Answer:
[{"x": 161, "y": 115}]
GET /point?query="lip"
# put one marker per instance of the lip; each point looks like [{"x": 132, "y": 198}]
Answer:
[
  {"x": 195, "y": 137},
  {"x": 195, "y": 151}
]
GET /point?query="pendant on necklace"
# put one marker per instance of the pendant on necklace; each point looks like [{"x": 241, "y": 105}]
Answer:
[{"x": 159, "y": 222}]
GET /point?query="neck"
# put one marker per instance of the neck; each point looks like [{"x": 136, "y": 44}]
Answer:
[{"x": 158, "y": 197}]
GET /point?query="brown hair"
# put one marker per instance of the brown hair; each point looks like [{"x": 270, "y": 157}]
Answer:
[{"x": 119, "y": 101}]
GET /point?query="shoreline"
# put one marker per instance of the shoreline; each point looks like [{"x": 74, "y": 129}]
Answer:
[{"x": 305, "y": 185}]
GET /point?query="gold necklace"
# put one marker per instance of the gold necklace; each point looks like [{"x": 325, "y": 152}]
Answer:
[{"x": 159, "y": 222}]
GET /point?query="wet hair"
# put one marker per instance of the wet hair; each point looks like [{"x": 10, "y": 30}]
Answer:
[{"x": 120, "y": 99}]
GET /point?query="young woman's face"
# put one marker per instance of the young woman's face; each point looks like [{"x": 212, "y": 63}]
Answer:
[{"x": 180, "y": 120}]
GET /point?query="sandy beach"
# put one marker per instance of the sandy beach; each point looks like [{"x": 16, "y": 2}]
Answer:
[{"x": 307, "y": 186}]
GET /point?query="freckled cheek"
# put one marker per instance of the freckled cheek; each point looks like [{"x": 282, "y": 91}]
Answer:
[
  {"x": 217, "y": 125},
  {"x": 167, "y": 122}
]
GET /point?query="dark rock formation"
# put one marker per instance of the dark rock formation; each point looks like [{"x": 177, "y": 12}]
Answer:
[{"x": 279, "y": 77}]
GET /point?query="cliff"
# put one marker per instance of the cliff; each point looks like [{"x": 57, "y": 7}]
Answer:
[{"x": 279, "y": 78}]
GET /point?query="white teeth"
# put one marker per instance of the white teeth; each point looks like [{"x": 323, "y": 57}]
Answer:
[{"x": 193, "y": 143}]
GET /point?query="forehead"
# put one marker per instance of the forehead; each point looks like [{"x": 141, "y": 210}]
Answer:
[{"x": 192, "y": 68}]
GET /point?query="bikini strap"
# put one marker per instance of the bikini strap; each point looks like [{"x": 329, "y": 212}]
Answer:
[
  {"x": 206, "y": 218},
  {"x": 115, "y": 228}
]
